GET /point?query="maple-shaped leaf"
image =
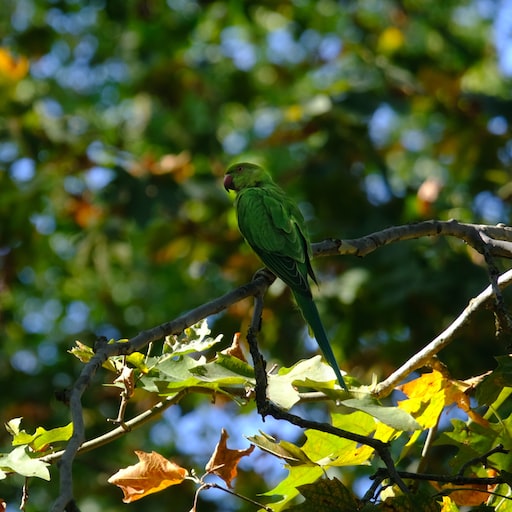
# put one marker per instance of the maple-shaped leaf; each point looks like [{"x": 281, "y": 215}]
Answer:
[
  {"x": 224, "y": 461},
  {"x": 429, "y": 394},
  {"x": 151, "y": 474}
]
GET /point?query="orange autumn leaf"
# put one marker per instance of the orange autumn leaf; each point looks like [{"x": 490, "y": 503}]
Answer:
[
  {"x": 475, "y": 495},
  {"x": 85, "y": 213},
  {"x": 224, "y": 461},
  {"x": 12, "y": 68},
  {"x": 469, "y": 495},
  {"x": 151, "y": 474}
]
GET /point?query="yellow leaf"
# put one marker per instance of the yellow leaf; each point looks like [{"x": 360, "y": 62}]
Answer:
[
  {"x": 390, "y": 40},
  {"x": 426, "y": 398},
  {"x": 431, "y": 393},
  {"x": 293, "y": 113},
  {"x": 448, "y": 505},
  {"x": 151, "y": 474}
]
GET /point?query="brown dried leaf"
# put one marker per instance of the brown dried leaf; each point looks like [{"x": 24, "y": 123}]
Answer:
[
  {"x": 235, "y": 349},
  {"x": 151, "y": 474},
  {"x": 224, "y": 461}
]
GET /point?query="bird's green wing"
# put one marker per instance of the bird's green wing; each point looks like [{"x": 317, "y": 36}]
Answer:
[{"x": 271, "y": 224}]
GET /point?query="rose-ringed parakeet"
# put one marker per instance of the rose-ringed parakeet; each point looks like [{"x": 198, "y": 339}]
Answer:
[{"x": 274, "y": 227}]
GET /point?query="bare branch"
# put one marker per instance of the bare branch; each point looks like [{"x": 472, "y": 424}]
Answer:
[
  {"x": 105, "y": 351},
  {"x": 498, "y": 238},
  {"x": 445, "y": 338}
]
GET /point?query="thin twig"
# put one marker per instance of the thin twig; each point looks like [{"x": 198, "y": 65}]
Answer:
[
  {"x": 482, "y": 459},
  {"x": 503, "y": 320},
  {"x": 445, "y": 338},
  {"x": 267, "y": 408}
]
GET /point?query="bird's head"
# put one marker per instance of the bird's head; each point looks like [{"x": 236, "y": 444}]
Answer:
[{"x": 244, "y": 175}]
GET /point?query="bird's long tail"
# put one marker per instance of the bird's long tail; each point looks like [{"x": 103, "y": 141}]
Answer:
[{"x": 312, "y": 317}]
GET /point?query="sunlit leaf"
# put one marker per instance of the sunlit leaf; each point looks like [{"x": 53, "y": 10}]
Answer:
[
  {"x": 287, "y": 489},
  {"x": 292, "y": 454},
  {"x": 392, "y": 416},
  {"x": 194, "y": 339},
  {"x": 19, "y": 461},
  {"x": 448, "y": 505},
  {"x": 85, "y": 353},
  {"x": 153, "y": 473},
  {"x": 42, "y": 439},
  {"x": 313, "y": 372}
]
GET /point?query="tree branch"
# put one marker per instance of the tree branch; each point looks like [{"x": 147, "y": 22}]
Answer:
[
  {"x": 494, "y": 241},
  {"x": 445, "y": 338},
  {"x": 498, "y": 238},
  {"x": 267, "y": 408}
]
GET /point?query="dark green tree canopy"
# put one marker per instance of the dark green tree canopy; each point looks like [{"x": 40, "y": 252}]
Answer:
[{"x": 117, "y": 122}]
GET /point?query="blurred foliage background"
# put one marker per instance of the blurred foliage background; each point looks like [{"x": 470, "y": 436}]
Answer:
[{"x": 117, "y": 120}]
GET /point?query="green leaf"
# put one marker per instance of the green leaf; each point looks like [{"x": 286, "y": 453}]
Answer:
[
  {"x": 471, "y": 439},
  {"x": 285, "y": 450},
  {"x": 331, "y": 450},
  {"x": 194, "y": 339},
  {"x": 234, "y": 365},
  {"x": 312, "y": 372},
  {"x": 393, "y": 416},
  {"x": 326, "y": 495},
  {"x": 84, "y": 353},
  {"x": 492, "y": 386},
  {"x": 138, "y": 360},
  {"x": 18, "y": 461},
  {"x": 172, "y": 374},
  {"x": 287, "y": 489},
  {"x": 41, "y": 438},
  {"x": 413, "y": 502}
]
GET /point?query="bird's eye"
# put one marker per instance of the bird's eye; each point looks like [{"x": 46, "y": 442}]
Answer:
[{"x": 239, "y": 169}]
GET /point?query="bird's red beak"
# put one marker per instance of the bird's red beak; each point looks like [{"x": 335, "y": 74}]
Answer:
[{"x": 228, "y": 182}]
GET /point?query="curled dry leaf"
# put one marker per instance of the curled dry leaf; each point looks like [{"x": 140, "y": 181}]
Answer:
[
  {"x": 235, "y": 349},
  {"x": 224, "y": 461},
  {"x": 151, "y": 474}
]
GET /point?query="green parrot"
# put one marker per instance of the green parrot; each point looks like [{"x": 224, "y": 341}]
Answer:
[{"x": 274, "y": 227}]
